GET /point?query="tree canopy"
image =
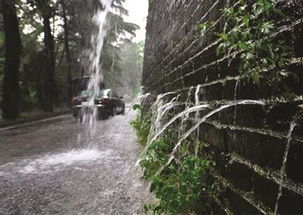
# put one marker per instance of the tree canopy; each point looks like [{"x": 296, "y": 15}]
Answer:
[{"x": 54, "y": 35}]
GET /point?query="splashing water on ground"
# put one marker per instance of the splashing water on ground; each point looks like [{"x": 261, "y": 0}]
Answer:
[{"x": 50, "y": 162}]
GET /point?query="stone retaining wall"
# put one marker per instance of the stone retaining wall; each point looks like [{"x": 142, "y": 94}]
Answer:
[{"x": 249, "y": 142}]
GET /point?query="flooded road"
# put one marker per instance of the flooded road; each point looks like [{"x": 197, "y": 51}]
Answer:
[{"x": 46, "y": 169}]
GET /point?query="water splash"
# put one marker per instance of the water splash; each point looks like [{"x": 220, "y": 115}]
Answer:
[
  {"x": 89, "y": 112},
  {"x": 51, "y": 163},
  {"x": 185, "y": 116},
  {"x": 55, "y": 162},
  {"x": 157, "y": 112},
  {"x": 235, "y": 98},
  {"x": 172, "y": 120},
  {"x": 198, "y": 122},
  {"x": 204, "y": 118},
  {"x": 283, "y": 166},
  {"x": 197, "y": 101},
  {"x": 139, "y": 99}
]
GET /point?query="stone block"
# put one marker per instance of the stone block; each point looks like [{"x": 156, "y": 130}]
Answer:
[{"x": 265, "y": 190}]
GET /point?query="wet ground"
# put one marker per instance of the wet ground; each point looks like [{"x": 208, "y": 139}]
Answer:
[{"x": 48, "y": 169}]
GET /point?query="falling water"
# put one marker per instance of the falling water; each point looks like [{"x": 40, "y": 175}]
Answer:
[
  {"x": 185, "y": 117},
  {"x": 235, "y": 98},
  {"x": 198, "y": 122},
  {"x": 283, "y": 166},
  {"x": 197, "y": 101},
  {"x": 165, "y": 126},
  {"x": 204, "y": 118},
  {"x": 97, "y": 40},
  {"x": 157, "y": 112},
  {"x": 162, "y": 111}
]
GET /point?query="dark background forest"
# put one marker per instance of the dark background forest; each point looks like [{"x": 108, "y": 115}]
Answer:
[{"x": 42, "y": 53}]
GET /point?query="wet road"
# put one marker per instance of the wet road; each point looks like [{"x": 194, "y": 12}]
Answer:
[{"x": 47, "y": 169}]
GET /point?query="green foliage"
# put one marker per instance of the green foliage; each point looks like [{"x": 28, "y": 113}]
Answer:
[
  {"x": 137, "y": 107},
  {"x": 131, "y": 64},
  {"x": 204, "y": 27},
  {"x": 112, "y": 61},
  {"x": 181, "y": 186},
  {"x": 29, "y": 98},
  {"x": 80, "y": 27},
  {"x": 141, "y": 125},
  {"x": 249, "y": 33}
]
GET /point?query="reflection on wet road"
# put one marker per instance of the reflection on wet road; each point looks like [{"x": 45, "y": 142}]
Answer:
[{"x": 46, "y": 169}]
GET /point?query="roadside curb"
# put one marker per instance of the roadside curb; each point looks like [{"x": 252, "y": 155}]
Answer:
[{"x": 42, "y": 121}]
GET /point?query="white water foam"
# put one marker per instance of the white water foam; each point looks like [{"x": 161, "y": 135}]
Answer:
[
  {"x": 62, "y": 159},
  {"x": 51, "y": 163}
]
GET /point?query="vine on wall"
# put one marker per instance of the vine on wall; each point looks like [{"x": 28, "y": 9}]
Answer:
[
  {"x": 182, "y": 186},
  {"x": 250, "y": 33}
]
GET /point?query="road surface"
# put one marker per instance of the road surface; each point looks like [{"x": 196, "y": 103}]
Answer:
[{"x": 49, "y": 169}]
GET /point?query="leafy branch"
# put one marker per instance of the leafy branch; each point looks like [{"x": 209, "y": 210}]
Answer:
[{"x": 248, "y": 34}]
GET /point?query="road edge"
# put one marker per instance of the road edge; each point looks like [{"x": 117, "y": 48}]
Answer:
[{"x": 45, "y": 120}]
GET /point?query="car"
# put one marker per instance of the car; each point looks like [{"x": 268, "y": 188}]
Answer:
[{"x": 107, "y": 102}]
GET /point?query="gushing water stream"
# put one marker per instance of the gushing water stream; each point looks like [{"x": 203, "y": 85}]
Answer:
[
  {"x": 283, "y": 166},
  {"x": 197, "y": 101},
  {"x": 235, "y": 98},
  {"x": 204, "y": 118},
  {"x": 159, "y": 109},
  {"x": 95, "y": 69},
  {"x": 186, "y": 111}
]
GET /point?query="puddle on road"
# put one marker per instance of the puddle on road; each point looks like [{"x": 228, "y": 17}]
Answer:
[{"x": 57, "y": 162}]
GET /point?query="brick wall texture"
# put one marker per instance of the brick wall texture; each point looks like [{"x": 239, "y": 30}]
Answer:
[{"x": 249, "y": 148}]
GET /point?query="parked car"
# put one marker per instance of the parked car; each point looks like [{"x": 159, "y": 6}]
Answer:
[{"x": 106, "y": 101}]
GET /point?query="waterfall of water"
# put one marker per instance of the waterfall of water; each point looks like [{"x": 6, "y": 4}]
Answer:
[
  {"x": 198, "y": 123},
  {"x": 89, "y": 113},
  {"x": 235, "y": 98},
  {"x": 283, "y": 166},
  {"x": 165, "y": 126},
  {"x": 197, "y": 101},
  {"x": 185, "y": 117},
  {"x": 156, "y": 111},
  {"x": 204, "y": 118}
]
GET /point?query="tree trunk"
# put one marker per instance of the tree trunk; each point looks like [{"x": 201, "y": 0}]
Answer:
[
  {"x": 49, "y": 76},
  {"x": 67, "y": 52},
  {"x": 10, "y": 99}
]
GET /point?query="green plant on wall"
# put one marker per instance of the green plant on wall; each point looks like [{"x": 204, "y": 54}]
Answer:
[
  {"x": 181, "y": 186},
  {"x": 249, "y": 34},
  {"x": 141, "y": 125}
]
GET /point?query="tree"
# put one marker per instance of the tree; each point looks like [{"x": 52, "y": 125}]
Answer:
[
  {"x": 49, "y": 76},
  {"x": 67, "y": 50},
  {"x": 10, "y": 100},
  {"x": 132, "y": 64},
  {"x": 118, "y": 30},
  {"x": 55, "y": 35}
]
